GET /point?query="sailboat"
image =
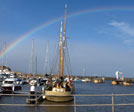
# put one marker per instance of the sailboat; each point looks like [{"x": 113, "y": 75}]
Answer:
[{"x": 60, "y": 90}]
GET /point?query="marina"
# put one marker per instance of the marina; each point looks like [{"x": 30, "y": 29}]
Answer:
[
  {"x": 66, "y": 56},
  {"x": 87, "y": 96}
]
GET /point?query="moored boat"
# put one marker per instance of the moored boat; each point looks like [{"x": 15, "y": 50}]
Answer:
[
  {"x": 60, "y": 90},
  {"x": 10, "y": 85}
]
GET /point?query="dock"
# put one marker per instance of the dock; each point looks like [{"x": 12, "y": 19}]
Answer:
[
  {"x": 75, "y": 104},
  {"x": 35, "y": 100}
]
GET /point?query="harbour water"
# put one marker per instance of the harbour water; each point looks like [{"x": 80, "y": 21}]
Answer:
[{"x": 80, "y": 88}]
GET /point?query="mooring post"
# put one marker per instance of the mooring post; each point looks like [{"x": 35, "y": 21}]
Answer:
[
  {"x": 112, "y": 102},
  {"x": 74, "y": 104},
  {"x": 36, "y": 100}
]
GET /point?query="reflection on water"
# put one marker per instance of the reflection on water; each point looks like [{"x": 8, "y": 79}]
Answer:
[
  {"x": 18, "y": 109},
  {"x": 36, "y": 108},
  {"x": 58, "y": 109}
]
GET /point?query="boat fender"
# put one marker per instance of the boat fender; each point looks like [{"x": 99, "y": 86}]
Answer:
[
  {"x": 62, "y": 90},
  {"x": 58, "y": 90},
  {"x": 13, "y": 88},
  {"x": 54, "y": 89},
  {"x": 44, "y": 97}
]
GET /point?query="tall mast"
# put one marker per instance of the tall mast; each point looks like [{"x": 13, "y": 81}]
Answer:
[
  {"x": 64, "y": 39},
  {"x": 32, "y": 58},
  {"x": 6, "y": 61},
  {"x": 46, "y": 61},
  {"x": 36, "y": 65},
  {"x": 4, "y": 57},
  {"x": 60, "y": 52}
]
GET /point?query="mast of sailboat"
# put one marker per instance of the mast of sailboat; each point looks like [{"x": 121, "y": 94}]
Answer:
[
  {"x": 36, "y": 65},
  {"x": 32, "y": 58},
  {"x": 46, "y": 60},
  {"x": 60, "y": 52},
  {"x": 64, "y": 39},
  {"x": 5, "y": 55},
  {"x": 4, "y": 58}
]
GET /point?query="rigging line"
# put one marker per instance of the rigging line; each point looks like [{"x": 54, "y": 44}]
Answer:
[
  {"x": 36, "y": 65},
  {"x": 55, "y": 60},
  {"x": 31, "y": 59},
  {"x": 66, "y": 60},
  {"x": 45, "y": 69},
  {"x": 57, "y": 55},
  {"x": 55, "y": 63},
  {"x": 30, "y": 65},
  {"x": 66, "y": 64},
  {"x": 43, "y": 72},
  {"x": 69, "y": 59}
]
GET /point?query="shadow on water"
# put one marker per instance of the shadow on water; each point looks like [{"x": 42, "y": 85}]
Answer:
[
  {"x": 59, "y": 108},
  {"x": 22, "y": 100}
]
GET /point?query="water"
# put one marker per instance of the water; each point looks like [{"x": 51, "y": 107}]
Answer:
[{"x": 80, "y": 88}]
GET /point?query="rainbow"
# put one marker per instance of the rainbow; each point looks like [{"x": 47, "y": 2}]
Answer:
[{"x": 48, "y": 23}]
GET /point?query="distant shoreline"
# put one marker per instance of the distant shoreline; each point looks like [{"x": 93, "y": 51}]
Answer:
[{"x": 74, "y": 76}]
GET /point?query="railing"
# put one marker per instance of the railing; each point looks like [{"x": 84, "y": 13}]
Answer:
[
  {"x": 94, "y": 105},
  {"x": 75, "y": 105}
]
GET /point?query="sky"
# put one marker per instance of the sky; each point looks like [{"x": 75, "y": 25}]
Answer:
[{"x": 101, "y": 34}]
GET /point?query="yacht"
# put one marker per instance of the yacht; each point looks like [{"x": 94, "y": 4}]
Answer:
[{"x": 10, "y": 85}]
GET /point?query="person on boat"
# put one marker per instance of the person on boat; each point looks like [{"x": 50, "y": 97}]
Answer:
[
  {"x": 48, "y": 81},
  {"x": 61, "y": 79},
  {"x": 69, "y": 81},
  {"x": 48, "y": 84},
  {"x": 53, "y": 84},
  {"x": 67, "y": 87}
]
